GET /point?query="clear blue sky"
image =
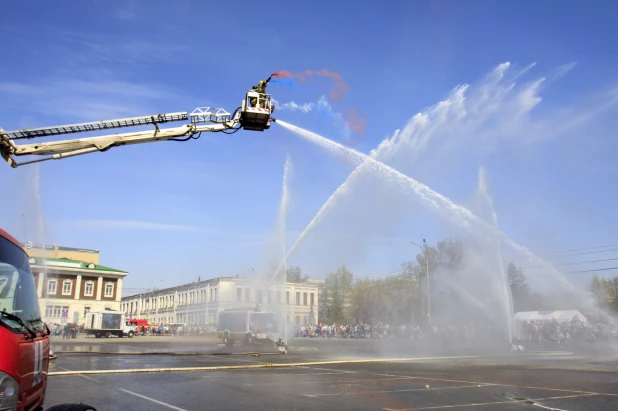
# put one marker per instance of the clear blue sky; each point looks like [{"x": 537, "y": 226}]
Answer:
[{"x": 542, "y": 126}]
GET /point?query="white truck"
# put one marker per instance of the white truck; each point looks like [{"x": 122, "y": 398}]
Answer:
[{"x": 107, "y": 324}]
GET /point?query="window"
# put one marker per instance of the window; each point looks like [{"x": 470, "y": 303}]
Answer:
[
  {"x": 287, "y": 297},
  {"x": 89, "y": 290},
  {"x": 247, "y": 295},
  {"x": 67, "y": 287},
  {"x": 56, "y": 311},
  {"x": 211, "y": 292},
  {"x": 311, "y": 299},
  {"x": 109, "y": 290},
  {"x": 86, "y": 311},
  {"x": 304, "y": 298},
  {"x": 215, "y": 294},
  {"x": 51, "y": 286},
  {"x": 297, "y": 301},
  {"x": 259, "y": 296},
  {"x": 239, "y": 294}
]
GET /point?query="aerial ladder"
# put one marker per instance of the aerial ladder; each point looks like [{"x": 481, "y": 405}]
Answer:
[{"x": 253, "y": 114}]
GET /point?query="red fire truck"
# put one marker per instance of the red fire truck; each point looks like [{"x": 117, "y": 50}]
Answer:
[{"x": 24, "y": 338}]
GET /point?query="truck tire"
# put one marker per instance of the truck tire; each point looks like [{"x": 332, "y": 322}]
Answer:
[
  {"x": 108, "y": 335},
  {"x": 130, "y": 335},
  {"x": 71, "y": 407},
  {"x": 97, "y": 335}
]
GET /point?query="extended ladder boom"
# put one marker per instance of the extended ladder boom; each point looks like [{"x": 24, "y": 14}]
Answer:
[
  {"x": 95, "y": 126},
  {"x": 253, "y": 114}
]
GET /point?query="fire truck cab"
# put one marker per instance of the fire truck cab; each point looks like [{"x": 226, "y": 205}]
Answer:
[{"x": 24, "y": 338}]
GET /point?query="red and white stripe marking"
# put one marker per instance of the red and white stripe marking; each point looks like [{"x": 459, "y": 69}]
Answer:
[{"x": 261, "y": 110}]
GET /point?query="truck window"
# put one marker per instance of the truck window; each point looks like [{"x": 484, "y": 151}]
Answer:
[{"x": 17, "y": 290}]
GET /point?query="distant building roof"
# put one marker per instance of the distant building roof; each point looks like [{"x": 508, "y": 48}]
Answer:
[
  {"x": 197, "y": 284},
  {"x": 29, "y": 245},
  {"x": 69, "y": 263}
]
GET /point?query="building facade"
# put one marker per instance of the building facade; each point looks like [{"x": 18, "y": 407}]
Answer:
[
  {"x": 199, "y": 303},
  {"x": 68, "y": 288}
]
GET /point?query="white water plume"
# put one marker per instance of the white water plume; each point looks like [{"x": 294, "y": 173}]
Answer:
[
  {"x": 273, "y": 266},
  {"x": 504, "y": 292},
  {"x": 281, "y": 223},
  {"x": 430, "y": 199},
  {"x": 476, "y": 110},
  {"x": 283, "y": 206}
]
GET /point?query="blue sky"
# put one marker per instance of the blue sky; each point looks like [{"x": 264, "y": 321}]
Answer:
[{"x": 535, "y": 107}]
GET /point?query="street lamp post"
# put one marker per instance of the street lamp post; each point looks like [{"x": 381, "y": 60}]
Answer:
[{"x": 427, "y": 274}]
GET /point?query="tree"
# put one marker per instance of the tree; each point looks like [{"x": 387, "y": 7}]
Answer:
[
  {"x": 445, "y": 261},
  {"x": 396, "y": 299},
  {"x": 605, "y": 291},
  {"x": 612, "y": 286},
  {"x": 295, "y": 275},
  {"x": 519, "y": 288},
  {"x": 447, "y": 257},
  {"x": 336, "y": 295},
  {"x": 411, "y": 270},
  {"x": 598, "y": 290}
]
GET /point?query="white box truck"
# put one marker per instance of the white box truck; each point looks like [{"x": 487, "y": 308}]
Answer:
[{"x": 107, "y": 324}]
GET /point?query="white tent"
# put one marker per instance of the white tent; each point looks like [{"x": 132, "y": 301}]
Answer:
[{"x": 559, "y": 315}]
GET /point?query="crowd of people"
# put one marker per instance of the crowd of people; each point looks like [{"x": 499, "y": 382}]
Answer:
[
  {"x": 562, "y": 332},
  {"x": 68, "y": 331},
  {"x": 546, "y": 332},
  {"x": 470, "y": 330},
  {"x": 378, "y": 330},
  {"x": 176, "y": 330}
]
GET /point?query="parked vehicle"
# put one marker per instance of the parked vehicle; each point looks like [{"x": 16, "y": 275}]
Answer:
[{"x": 107, "y": 324}]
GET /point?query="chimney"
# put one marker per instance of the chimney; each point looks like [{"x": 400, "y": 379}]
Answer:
[{"x": 198, "y": 279}]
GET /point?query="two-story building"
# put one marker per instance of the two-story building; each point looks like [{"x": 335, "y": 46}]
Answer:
[
  {"x": 70, "y": 282},
  {"x": 199, "y": 303}
]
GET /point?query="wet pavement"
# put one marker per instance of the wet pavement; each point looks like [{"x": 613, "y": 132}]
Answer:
[{"x": 560, "y": 380}]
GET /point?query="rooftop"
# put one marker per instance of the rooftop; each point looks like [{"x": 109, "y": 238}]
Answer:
[
  {"x": 69, "y": 263},
  {"x": 200, "y": 283},
  {"x": 29, "y": 245}
]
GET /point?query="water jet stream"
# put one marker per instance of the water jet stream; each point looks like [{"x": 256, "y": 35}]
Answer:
[{"x": 440, "y": 204}]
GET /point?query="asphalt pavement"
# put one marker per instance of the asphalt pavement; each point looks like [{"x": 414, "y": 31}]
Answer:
[{"x": 193, "y": 373}]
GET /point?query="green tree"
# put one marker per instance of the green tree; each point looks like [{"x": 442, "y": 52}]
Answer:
[
  {"x": 295, "y": 275},
  {"x": 612, "y": 286},
  {"x": 336, "y": 295},
  {"x": 395, "y": 299},
  {"x": 598, "y": 289},
  {"x": 447, "y": 257}
]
